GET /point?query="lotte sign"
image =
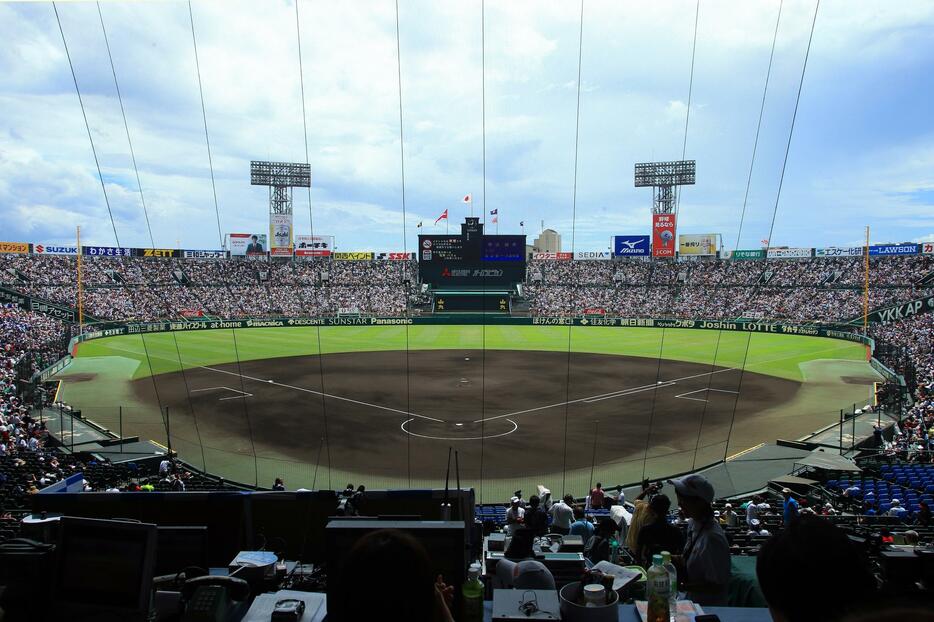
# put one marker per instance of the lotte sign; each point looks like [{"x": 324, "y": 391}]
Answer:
[{"x": 663, "y": 235}]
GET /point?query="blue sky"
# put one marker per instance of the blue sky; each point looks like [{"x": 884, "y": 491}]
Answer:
[{"x": 862, "y": 154}]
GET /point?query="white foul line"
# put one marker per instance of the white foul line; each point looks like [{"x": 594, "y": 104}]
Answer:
[
  {"x": 606, "y": 396},
  {"x": 243, "y": 394},
  {"x": 336, "y": 397}
]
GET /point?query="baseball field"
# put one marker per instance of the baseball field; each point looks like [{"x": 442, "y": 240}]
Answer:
[{"x": 521, "y": 405}]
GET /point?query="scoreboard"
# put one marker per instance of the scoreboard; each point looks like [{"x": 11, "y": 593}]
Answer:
[{"x": 471, "y": 258}]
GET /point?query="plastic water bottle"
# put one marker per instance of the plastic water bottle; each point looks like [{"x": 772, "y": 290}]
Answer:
[
  {"x": 658, "y": 592},
  {"x": 472, "y": 591},
  {"x": 673, "y": 577}
]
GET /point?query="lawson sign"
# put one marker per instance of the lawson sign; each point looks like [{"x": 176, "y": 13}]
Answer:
[
  {"x": 631, "y": 246},
  {"x": 893, "y": 249}
]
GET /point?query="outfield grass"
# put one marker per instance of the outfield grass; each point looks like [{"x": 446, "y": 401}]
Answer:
[{"x": 776, "y": 355}]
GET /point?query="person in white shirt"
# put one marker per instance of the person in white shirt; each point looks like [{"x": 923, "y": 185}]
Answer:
[
  {"x": 514, "y": 517},
  {"x": 562, "y": 515}
]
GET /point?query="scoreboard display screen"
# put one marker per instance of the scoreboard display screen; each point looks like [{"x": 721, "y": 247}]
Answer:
[{"x": 471, "y": 259}]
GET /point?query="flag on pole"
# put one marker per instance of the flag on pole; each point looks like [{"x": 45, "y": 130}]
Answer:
[
  {"x": 443, "y": 216},
  {"x": 467, "y": 199},
  {"x": 521, "y": 223},
  {"x": 494, "y": 212},
  {"x": 495, "y": 219},
  {"x": 419, "y": 225},
  {"x": 765, "y": 241}
]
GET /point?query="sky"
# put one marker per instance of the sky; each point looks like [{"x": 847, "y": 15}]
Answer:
[{"x": 862, "y": 151}]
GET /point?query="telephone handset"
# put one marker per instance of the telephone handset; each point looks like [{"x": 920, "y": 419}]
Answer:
[{"x": 210, "y": 598}]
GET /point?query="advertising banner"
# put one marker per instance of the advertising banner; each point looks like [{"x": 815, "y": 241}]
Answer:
[
  {"x": 395, "y": 256},
  {"x": 789, "y": 253},
  {"x": 631, "y": 246},
  {"x": 280, "y": 234},
  {"x": 159, "y": 252},
  {"x": 595, "y": 311},
  {"x": 53, "y": 249},
  {"x": 893, "y": 249},
  {"x": 927, "y": 248},
  {"x": 903, "y": 311},
  {"x": 204, "y": 254},
  {"x": 358, "y": 256},
  {"x": 14, "y": 247},
  {"x": 697, "y": 244},
  {"x": 834, "y": 251},
  {"x": 592, "y": 255},
  {"x": 313, "y": 245},
  {"x": 663, "y": 235},
  {"x": 553, "y": 256},
  {"x": 247, "y": 244},
  {"x": 106, "y": 251},
  {"x": 754, "y": 253}
]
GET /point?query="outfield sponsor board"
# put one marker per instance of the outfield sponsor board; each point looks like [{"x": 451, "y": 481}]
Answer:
[
  {"x": 313, "y": 245},
  {"x": 697, "y": 244},
  {"x": 54, "y": 249},
  {"x": 903, "y": 311},
  {"x": 893, "y": 249},
  {"x": 203, "y": 254},
  {"x": 107, "y": 330},
  {"x": 107, "y": 251},
  {"x": 838, "y": 251},
  {"x": 158, "y": 252},
  {"x": 280, "y": 234},
  {"x": 395, "y": 256},
  {"x": 663, "y": 235},
  {"x": 592, "y": 255},
  {"x": 242, "y": 244},
  {"x": 789, "y": 253},
  {"x": 358, "y": 256},
  {"x": 14, "y": 247},
  {"x": 753, "y": 253},
  {"x": 631, "y": 246},
  {"x": 927, "y": 248},
  {"x": 8, "y": 296},
  {"x": 553, "y": 256}
]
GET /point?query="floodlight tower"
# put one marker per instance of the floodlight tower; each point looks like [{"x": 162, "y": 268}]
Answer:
[
  {"x": 281, "y": 177},
  {"x": 665, "y": 177}
]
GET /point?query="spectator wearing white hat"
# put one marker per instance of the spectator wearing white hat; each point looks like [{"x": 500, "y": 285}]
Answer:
[
  {"x": 705, "y": 561},
  {"x": 515, "y": 516},
  {"x": 897, "y": 510},
  {"x": 728, "y": 517}
]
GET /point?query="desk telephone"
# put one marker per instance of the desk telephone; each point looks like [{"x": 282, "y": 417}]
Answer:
[{"x": 211, "y": 598}]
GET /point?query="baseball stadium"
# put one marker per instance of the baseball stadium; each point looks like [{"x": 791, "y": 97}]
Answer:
[{"x": 229, "y": 389}]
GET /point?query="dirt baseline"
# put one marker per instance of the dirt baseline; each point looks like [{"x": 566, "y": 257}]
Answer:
[{"x": 508, "y": 413}]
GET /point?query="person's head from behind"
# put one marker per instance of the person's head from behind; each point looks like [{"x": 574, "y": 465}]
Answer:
[
  {"x": 534, "y": 501},
  {"x": 695, "y": 494},
  {"x": 660, "y": 504},
  {"x": 811, "y": 571},
  {"x": 578, "y": 513},
  {"x": 606, "y": 527},
  {"x": 568, "y": 499},
  {"x": 410, "y": 595},
  {"x": 599, "y": 486}
]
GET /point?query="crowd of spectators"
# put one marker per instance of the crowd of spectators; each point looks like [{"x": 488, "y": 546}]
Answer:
[
  {"x": 805, "y": 290},
  {"x": 816, "y": 289}
]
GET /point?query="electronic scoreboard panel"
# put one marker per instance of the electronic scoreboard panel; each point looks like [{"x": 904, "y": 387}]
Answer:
[{"x": 471, "y": 258}]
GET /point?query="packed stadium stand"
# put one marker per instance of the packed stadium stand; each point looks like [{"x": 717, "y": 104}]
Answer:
[{"x": 136, "y": 288}]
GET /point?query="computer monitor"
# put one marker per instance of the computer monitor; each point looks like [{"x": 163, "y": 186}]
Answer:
[
  {"x": 105, "y": 569},
  {"x": 180, "y": 547}
]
